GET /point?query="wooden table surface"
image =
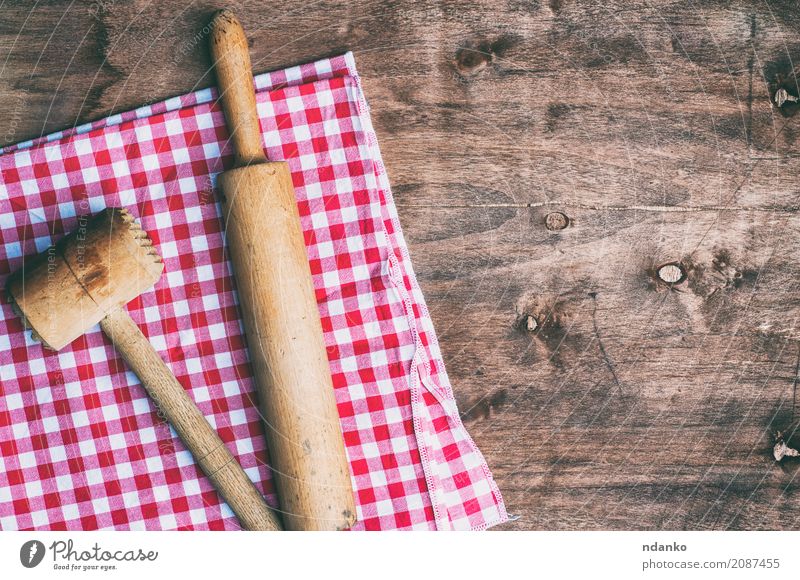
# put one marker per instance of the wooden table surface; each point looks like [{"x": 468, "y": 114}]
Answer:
[{"x": 602, "y": 396}]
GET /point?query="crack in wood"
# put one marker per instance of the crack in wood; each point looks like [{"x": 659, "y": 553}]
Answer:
[
  {"x": 576, "y": 205},
  {"x": 794, "y": 385},
  {"x": 750, "y": 62}
]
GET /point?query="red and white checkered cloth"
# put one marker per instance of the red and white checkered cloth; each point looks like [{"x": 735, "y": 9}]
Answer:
[{"x": 82, "y": 447}]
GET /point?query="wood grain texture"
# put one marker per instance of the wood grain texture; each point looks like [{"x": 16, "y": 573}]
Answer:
[
  {"x": 230, "y": 56},
  {"x": 632, "y": 404}
]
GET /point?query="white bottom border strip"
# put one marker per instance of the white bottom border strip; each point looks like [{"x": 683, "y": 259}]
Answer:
[{"x": 388, "y": 555}]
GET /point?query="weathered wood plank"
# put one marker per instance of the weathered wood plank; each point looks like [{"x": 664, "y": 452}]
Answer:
[
  {"x": 628, "y": 388},
  {"x": 631, "y": 404}
]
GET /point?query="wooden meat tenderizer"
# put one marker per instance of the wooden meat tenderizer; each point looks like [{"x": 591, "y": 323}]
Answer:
[
  {"x": 88, "y": 278},
  {"x": 281, "y": 317}
]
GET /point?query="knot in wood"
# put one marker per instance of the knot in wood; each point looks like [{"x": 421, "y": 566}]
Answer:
[
  {"x": 782, "y": 97},
  {"x": 471, "y": 61},
  {"x": 672, "y": 273},
  {"x": 556, "y": 221}
]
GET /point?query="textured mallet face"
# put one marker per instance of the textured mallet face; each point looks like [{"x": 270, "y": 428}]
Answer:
[{"x": 103, "y": 265}]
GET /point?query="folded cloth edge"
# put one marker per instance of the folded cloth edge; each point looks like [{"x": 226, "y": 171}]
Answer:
[{"x": 382, "y": 175}]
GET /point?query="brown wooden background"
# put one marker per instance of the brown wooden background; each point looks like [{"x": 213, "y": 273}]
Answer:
[{"x": 632, "y": 404}]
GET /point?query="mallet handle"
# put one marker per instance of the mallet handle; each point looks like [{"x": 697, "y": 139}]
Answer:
[
  {"x": 231, "y": 57},
  {"x": 200, "y": 438}
]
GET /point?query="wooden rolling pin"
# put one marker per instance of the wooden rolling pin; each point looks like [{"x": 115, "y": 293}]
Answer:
[{"x": 280, "y": 312}]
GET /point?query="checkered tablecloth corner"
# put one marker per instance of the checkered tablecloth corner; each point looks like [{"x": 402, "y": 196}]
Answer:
[{"x": 81, "y": 446}]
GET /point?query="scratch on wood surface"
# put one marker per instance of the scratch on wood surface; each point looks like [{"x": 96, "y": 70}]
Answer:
[
  {"x": 737, "y": 189},
  {"x": 794, "y": 386},
  {"x": 603, "y": 352}
]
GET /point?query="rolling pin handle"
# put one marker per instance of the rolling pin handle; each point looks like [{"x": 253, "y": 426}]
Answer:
[{"x": 231, "y": 56}]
